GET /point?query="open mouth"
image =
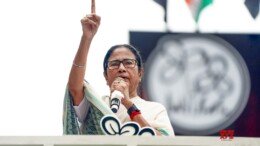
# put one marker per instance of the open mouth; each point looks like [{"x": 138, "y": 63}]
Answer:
[{"x": 124, "y": 78}]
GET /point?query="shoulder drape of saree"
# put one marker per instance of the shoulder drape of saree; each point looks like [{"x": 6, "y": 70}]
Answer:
[{"x": 98, "y": 108}]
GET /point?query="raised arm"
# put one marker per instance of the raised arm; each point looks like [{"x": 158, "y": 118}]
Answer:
[{"x": 90, "y": 24}]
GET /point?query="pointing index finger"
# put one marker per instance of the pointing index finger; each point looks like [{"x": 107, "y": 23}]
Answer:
[{"x": 93, "y": 6}]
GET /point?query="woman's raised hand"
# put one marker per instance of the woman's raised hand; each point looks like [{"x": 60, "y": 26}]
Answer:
[{"x": 90, "y": 23}]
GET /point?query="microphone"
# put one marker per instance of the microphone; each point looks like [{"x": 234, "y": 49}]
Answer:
[{"x": 115, "y": 101}]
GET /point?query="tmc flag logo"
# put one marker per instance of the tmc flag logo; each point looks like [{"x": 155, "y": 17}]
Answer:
[{"x": 201, "y": 79}]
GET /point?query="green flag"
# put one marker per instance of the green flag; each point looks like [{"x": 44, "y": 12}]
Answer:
[{"x": 196, "y": 7}]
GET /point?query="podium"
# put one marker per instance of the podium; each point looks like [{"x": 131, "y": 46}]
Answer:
[{"x": 126, "y": 141}]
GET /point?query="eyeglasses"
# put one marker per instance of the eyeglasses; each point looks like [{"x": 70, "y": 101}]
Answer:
[{"x": 128, "y": 63}]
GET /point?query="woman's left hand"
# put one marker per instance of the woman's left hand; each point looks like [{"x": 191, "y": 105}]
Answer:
[{"x": 121, "y": 85}]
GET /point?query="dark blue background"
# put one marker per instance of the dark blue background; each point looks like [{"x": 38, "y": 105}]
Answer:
[{"x": 248, "y": 45}]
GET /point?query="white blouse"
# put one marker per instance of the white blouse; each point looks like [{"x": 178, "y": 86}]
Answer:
[{"x": 154, "y": 113}]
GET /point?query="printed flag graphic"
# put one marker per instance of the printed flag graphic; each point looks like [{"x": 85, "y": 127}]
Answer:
[
  {"x": 253, "y": 7},
  {"x": 163, "y": 3},
  {"x": 196, "y": 7}
]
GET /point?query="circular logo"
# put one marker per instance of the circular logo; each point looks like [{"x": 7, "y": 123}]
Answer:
[{"x": 201, "y": 80}]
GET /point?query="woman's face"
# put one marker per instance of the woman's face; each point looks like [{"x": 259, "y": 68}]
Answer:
[{"x": 130, "y": 75}]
